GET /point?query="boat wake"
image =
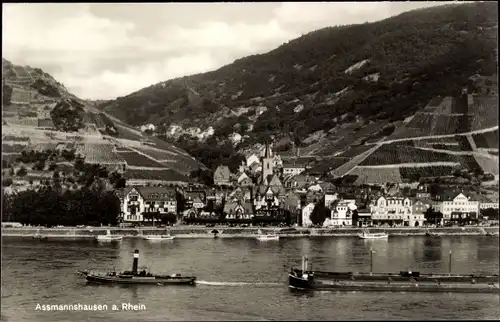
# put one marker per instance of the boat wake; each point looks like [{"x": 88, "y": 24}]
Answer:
[{"x": 213, "y": 283}]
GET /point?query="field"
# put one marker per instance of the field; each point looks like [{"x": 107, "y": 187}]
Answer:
[
  {"x": 486, "y": 140},
  {"x": 45, "y": 123},
  {"x": 138, "y": 160},
  {"x": 21, "y": 72},
  {"x": 159, "y": 155},
  {"x": 444, "y": 116},
  {"x": 41, "y": 147},
  {"x": 400, "y": 154},
  {"x": 457, "y": 143},
  {"x": 15, "y": 138},
  {"x": 372, "y": 175},
  {"x": 166, "y": 175},
  {"x": 94, "y": 118},
  {"x": 26, "y": 121},
  {"x": 14, "y": 148},
  {"x": 415, "y": 173},
  {"x": 21, "y": 96},
  {"x": 485, "y": 111},
  {"x": 488, "y": 164},
  {"x": 397, "y": 154},
  {"x": 121, "y": 148},
  {"x": 127, "y": 134},
  {"x": 355, "y": 150},
  {"x": 327, "y": 165},
  {"x": 101, "y": 154}
]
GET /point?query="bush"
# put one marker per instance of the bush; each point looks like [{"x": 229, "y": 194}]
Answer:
[
  {"x": 21, "y": 172},
  {"x": 67, "y": 116},
  {"x": 7, "y": 182}
]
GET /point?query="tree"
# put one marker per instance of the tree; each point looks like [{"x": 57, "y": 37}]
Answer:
[
  {"x": 40, "y": 165},
  {"x": 319, "y": 213},
  {"x": 204, "y": 176},
  {"x": 7, "y": 182},
  {"x": 66, "y": 116},
  {"x": 22, "y": 172},
  {"x": 52, "y": 166}
]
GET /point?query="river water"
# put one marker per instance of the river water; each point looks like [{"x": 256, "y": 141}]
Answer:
[{"x": 240, "y": 279}]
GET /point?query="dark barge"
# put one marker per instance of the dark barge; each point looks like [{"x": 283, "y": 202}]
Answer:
[
  {"x": 136, "y": 277},
  {"x": 405, "y": 281}
]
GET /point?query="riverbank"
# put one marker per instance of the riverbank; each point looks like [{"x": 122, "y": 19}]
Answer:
[{"x": 233, "y": 232}]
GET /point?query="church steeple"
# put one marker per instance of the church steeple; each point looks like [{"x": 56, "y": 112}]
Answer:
[
  {"x": 267, "y": 164},
  {"x": 268, "y": 152}
]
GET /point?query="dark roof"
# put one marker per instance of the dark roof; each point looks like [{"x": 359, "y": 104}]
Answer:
[{"x": 153, "y": 193}]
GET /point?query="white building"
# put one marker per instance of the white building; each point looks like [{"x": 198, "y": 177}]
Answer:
[
  {"x": 173, "y": 130},
  {"x": 251, "y": 159},
  {"x": 393, "y": 210},
  {"x": 460, "y": 204},
  {"x": 293, "y": 168},
  {"x": 149, "y": 126},
  {"x": 488, "y": 204},
  {"x": 306, "y": 214},
  {"x": 315, "y": 187},
  {"x": 139, "y": 200},
  {"x": 209, "y": 131},
  {"x": 235, "y": 138},
  {"x": 341, "y": 215}
]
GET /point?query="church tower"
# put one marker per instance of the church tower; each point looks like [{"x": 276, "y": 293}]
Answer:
[{"x": 267, "y": 164}]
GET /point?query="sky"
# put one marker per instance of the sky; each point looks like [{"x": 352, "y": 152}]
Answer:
[{"x": 103, "y": 50}]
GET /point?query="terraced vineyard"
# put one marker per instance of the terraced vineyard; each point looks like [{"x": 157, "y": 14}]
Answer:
[
  {"x": 21, "y": 96},
  {"x": 444, "y": 116},
  {"x": 488, "y": 164},
  {"x": 45, "y": 123},
  {"x": 159, "y": 155},
  {"x": 376, "y": 175},
  {"x": 414, "y": 174},
  {"x": 101, "y": 154},
  {"x": 486, "y": 140},
  {"x": 138, "y": 160},
  {"x": 21, "y": 72},
  {"x": 14, "y": 148},
  {"x": 123, "y": 149},
  {"x": 397, "y": 154},
  {"x": 164, "y": 175},
  {"x": 327, "y": 165},
  {"x": 485, "y": 111},
  {"x": 41, "y": 146},
  {"x": 457, "y": 143},
  {"x": 394, "y": 154},
  {"x": 355, "y": 150},
  {"x": 15, "y": 138},
  {"x": 25, "y": 121}
]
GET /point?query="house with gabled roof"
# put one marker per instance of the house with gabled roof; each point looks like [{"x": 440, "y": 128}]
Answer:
[
  {"x": 222, "y": 176},
  {"x": 136, "y": 201},
  {"x": 238, "y": 210},
  {"x": 244, "y": 180}
]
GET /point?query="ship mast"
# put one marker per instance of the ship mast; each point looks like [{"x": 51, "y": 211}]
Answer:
[{"x": 135, "y": 262}]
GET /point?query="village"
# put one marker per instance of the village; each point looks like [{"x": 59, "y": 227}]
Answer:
[{"x": 270, "y": 189}]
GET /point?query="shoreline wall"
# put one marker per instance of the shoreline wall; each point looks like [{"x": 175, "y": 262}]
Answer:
[{"x": 235, "y": 232}]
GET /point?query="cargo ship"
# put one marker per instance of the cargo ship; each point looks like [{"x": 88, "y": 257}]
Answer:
[
  {"x": 136, "y": 277},
  {"x": 404, "y": 281}
]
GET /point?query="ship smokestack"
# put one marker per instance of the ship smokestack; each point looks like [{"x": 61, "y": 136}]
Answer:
[{"x": 136, "y": 262}]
